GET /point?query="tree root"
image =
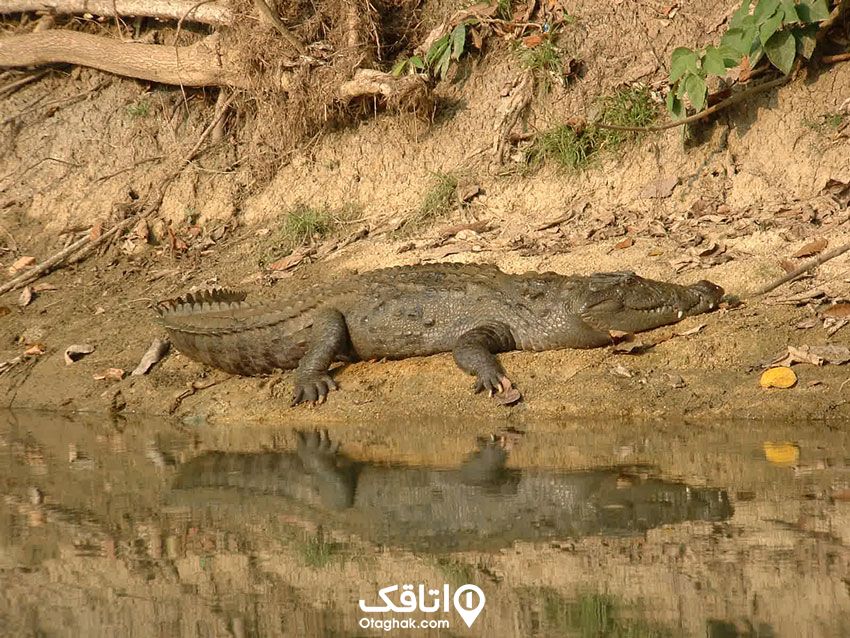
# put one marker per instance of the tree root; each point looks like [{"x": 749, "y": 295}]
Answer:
[
  {"x": 186, "y": 10},
  {"x": 204, "y": 63}
]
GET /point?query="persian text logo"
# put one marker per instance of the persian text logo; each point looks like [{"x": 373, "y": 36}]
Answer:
[{"x": 468, "y": 601}]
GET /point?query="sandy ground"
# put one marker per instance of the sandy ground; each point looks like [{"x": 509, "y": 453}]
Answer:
[{"x": 763, "y": 181}]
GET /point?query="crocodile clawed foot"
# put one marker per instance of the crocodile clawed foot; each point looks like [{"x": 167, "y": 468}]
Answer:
[
  {"x": 498, "y": 386},
  {"x": 313, "y": 388}
]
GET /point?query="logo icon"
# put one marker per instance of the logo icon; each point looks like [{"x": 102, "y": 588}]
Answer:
[{"x": 464, "y": 601}]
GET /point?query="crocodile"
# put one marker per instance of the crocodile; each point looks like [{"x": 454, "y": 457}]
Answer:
[
  {"x": 473, "y": 311},
  {"x": 480, "y": 505}
]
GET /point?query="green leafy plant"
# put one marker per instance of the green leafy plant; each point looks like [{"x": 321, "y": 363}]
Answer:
[
  {"x": 406, "y": 66},
  {"x": 778, "y": 29},
  {"x": 445, "y": 49}
]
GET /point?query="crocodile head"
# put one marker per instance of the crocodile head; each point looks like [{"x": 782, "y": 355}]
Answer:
[
  {"x": 707, "y": 297},
  {"x": 624, "y": 301}
]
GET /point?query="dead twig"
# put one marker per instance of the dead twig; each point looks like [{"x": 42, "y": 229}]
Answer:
[
  {"x": 806, "y": 267},
  {"x": 839, "y": 57},
  {"x": 275, "y": 21},
  {"x": 220, "y": 111},
  {"x": 192, "y": 388},
  {"x": 10, "y": 88},
  {"x": 77, "y": 249}
]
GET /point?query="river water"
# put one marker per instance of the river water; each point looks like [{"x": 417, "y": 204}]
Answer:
[{"x": 145, "y": 527}]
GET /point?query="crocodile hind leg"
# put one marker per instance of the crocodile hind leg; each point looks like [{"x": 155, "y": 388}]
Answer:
[
  {"x": 474, "y": 354},
  {"x": 328, "y": 340}
]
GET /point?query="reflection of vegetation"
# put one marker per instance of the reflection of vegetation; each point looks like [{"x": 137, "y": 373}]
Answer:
[
  {"x": 319, "y": 552},
  {"x": 456, "y": 572},
  {"x": 725, "y": 629},
  {"x": 591, "y": 615}
]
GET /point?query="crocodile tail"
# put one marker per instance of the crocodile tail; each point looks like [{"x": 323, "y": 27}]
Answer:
[{"x": 202, "y": 301}]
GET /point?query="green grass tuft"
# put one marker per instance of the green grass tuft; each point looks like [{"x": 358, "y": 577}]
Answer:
[
  {"x": 544, "y": 61},
  {"x": 563, "y": 145},
  {"x": 142, "y": 108},
  {"x": 299, "y": 226},
  {"x": 574, "y": 149},
  {"x": 318, "y": 552},
  {"x": 440, "y": 199}
]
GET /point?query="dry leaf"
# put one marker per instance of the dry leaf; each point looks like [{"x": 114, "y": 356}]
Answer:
[
  {"x": 834, "y": 325},
  {"x": 450, "y": 231},
  {"x": 779, "y": 377},
  {"x": 787, "y": 265},
  {"x": 35, "y": 350},
  {"x": 660, "y": 188},
  {"x": 77, "y": 351},
  {"x": 155, "y": 352},
  {"x": 508, "y": 397},
  {"x": 114, "y": 374},
  {"x": 815, "y": 355},
  {"x": 532, "y": 41},
  {"x": 288, "y": 262},
  {"x": 691, "y": 331},
  {"x": 4, "y": 310},
  {"x": 20, "y": 264},
  {"x": 781, "y": 453},
  {"x": 44, "y": 287},
  {"x": 449, "y": 249},
  {"x": 632, "y": 347},
  {"x": 806, "y": 324},
  {"x": 812, "y": 248},
  {"x": 837, "y": 311},
  {"x": 25, "y": 297},
  {"x": 628, "y": 242},
  {"x": 675, "y": 380},
  {"x": 467, "y": 192},
  {"x": 620, "y": 370},
  {"x": 96, "y": 231},
  {"x": 711, "y": 248}
]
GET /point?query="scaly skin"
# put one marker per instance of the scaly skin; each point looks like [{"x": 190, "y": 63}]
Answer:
[
  {"x": 481, "y": 505},
  {"x": 473, "y": 311}
]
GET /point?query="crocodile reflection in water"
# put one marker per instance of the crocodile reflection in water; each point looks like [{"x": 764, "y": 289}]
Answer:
[{"x": 480, "y": 505}]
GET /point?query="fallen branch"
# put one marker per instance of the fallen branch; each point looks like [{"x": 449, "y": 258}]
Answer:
[
  {"x": 204, "y": 63},
  {"x": 213, "y": 14},
  {"x": 78, "y": 249},
  {"x": 806, "y": 267}
]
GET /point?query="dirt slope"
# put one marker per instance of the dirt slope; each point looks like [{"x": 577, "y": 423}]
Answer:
[{"x": 763, "y": 180}]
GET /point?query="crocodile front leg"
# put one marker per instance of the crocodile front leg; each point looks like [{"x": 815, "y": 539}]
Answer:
[
  {"x": 474, "y": 354},
  {"x": 328, "y": 340}
]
